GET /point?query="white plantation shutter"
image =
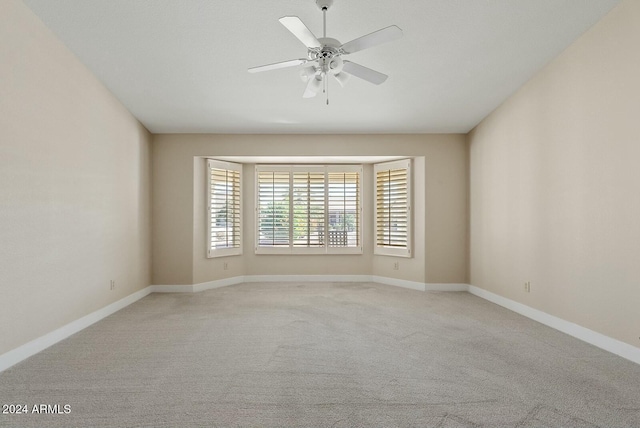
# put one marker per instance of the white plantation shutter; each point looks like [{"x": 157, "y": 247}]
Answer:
[
  {"x": 308, "y": 208},
  {"x": 393, "y": 208},
  {"x": 314, "y": 209},
  {"x": 343, "y": 189},
  {"x": 224, "y": 208},
  {"x": 273, "y": 207}
]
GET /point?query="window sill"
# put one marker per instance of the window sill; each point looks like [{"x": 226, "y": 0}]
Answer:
[
  {"x": 224, "y": 252},
  {"x": 308, "y": 251}
]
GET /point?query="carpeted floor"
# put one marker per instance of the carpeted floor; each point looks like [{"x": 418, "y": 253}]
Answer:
[{"x": 322, "y": 355}]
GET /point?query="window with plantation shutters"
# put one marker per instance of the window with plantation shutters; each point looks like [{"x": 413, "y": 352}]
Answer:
[
  {"x": 313, "y": 209},
  {"x": 224, "y": 208},
  {"x": 393, "y": 208}
]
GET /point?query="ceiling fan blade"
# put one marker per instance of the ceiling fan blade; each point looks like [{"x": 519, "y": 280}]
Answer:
[
  {"x": 313, "y": 87},
  {"x": 275, "y": 66},
  {"x": 376, "y": 38},
  {"x": 297, "y": 27},
  {"x": 364, "y": 73}
]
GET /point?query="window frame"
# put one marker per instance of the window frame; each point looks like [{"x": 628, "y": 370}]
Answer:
[
  {"x": 223, "y": 251},
  {"x": 406, "y": 251},
  {"x": 325, "y": 249}
]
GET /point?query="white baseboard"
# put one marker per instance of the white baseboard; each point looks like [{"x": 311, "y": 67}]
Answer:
[
  {"x": 203, "y": 286},
  {"x": 25, "y": 351},
  {"x": 172, "y": 288},
  {"x": 420, "y": 286},
  {"x": 432, "y": 286},
  {"x": 307, "y": 278},
  {"x": 607, "y": 343},
  {"x": 196, "y": 288}
]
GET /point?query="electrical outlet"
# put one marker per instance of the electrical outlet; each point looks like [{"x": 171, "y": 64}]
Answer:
[
  {"x": 112, "y": 285},
  {"x": 396, "y": 265},
  {"x": 225, "y": 266},
  {"x": 527, "y": 287}
]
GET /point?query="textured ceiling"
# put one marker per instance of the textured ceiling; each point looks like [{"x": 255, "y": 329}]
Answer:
[{"x": 181, "y": 65}]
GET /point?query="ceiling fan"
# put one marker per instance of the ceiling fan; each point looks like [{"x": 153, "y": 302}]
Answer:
[{"x": 324, "y": 55}]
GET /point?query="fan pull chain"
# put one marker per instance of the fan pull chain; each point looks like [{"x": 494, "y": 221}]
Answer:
[{"x": 326, "y": 84}]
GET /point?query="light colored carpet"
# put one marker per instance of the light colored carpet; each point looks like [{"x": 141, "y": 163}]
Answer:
[{"x": 323, "y": 355}]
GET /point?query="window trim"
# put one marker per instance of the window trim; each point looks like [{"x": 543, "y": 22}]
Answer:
[
  {"x": 406, "y": 251},
  {"x": 291, "y": 169},
  {"x": 228, "y": 251}
]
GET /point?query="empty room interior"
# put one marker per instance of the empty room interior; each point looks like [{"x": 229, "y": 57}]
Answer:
[{"x": 320, "y": 213}]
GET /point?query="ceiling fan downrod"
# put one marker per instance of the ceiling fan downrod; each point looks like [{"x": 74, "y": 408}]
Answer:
[
  {"x": 324, "y": 5},
  {"x": 324, "y": 22}
]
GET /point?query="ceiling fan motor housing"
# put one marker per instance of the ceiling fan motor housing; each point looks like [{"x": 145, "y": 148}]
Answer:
[
  {"x": 335, "y": 65},
  {"x": 330, "y": 48}
]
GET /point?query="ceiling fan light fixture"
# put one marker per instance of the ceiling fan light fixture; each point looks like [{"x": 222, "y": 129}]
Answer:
[
  {"x": 335, "y": 65},
  {"x": 313, "y": 87},
  {"x": 307, "y": 72},
  {"x": 342, "y": 78}
]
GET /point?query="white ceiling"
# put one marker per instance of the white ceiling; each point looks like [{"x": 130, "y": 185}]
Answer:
[{"x": 180, "y": 65}]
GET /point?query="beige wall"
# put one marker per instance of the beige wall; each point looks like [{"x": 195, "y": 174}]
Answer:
[
  {"x": 178, "y": 206},
  {"x": 555, "y": 187},
  {"x": 74, "y": 186}
]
